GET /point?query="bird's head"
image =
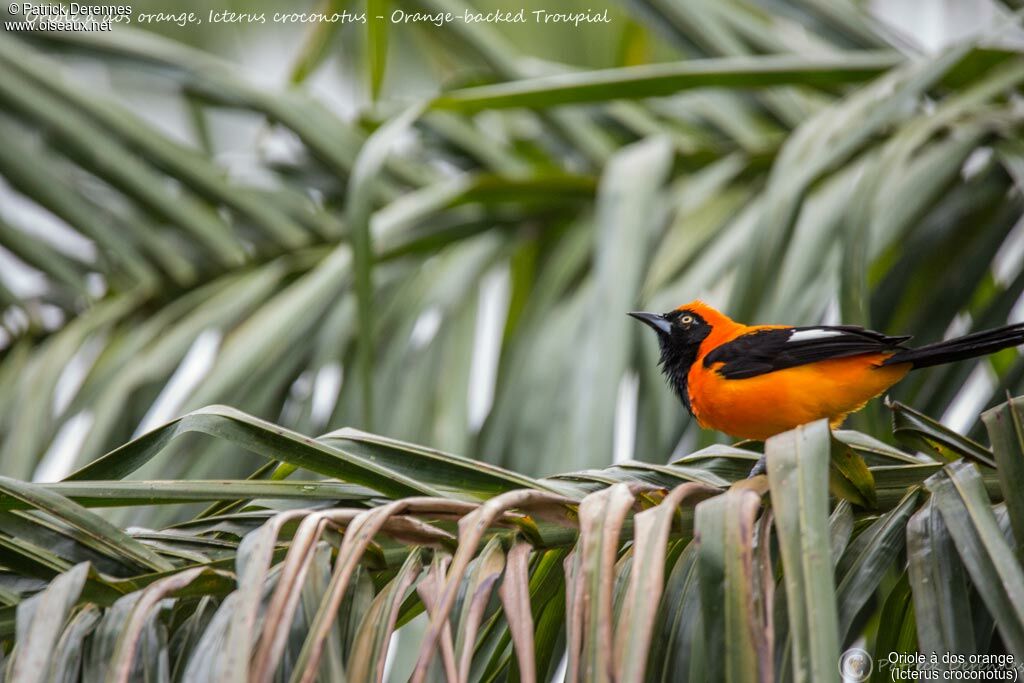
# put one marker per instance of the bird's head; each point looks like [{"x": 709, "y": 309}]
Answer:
[
  {"x": 679, "y": 330},
  {"x": 680, "y": 333}
]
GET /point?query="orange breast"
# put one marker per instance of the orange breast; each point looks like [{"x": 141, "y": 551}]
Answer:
[{"x": 761, "y": 406}]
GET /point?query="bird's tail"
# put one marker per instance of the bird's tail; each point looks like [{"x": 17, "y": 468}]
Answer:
[{"x": 961, "y": 348}]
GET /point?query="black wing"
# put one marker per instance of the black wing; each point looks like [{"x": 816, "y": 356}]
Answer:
[{"x": 769, "y": 350}]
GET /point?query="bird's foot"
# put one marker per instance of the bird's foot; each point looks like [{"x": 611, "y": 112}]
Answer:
[{"x": 759, "y": 468}]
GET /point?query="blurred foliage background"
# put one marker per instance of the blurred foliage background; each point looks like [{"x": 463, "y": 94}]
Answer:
[{"x": 435, "y": 233}]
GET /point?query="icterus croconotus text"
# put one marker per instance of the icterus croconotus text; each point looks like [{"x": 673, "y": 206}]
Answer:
[{"x": 753, "y": 381}]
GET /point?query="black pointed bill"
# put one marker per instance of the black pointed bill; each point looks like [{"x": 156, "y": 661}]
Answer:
[{"x": 655, "y": 321}]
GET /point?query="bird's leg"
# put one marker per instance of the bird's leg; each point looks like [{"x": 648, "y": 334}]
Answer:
[{"x": 759, "y": 468}]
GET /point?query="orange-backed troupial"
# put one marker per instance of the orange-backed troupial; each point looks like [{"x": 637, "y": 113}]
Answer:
[{"x": 753, "y": 381}]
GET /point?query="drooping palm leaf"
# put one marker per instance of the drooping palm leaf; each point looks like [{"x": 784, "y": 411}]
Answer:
[{"x": 314, "y": 578}]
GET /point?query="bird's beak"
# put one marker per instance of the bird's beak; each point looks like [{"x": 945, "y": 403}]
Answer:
[{"x": 655, "y": 321}]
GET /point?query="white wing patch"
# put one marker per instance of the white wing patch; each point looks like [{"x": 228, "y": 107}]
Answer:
[{"x": 807, "y": 335}]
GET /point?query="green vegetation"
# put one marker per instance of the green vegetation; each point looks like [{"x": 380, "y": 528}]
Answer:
[
  {"x": 636, "y": 572},
  {"x": 787, "y": 160}
]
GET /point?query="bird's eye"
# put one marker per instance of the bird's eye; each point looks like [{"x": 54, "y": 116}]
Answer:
[{"x": 686, "y": 320}]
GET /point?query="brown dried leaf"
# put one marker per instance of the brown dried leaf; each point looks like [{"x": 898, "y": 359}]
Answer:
[
  {"x": 602, "y": 516},
  {"x": 472, "y": 528},
  {"x": 515, "y": 600},
  {"x": 647, "y": 580}
]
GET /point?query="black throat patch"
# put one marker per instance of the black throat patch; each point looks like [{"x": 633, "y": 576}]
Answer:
[{"x": 679, "y": 349}]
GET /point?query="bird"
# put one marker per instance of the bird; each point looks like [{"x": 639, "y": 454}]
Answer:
[{"x": 756, "y": 381}]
